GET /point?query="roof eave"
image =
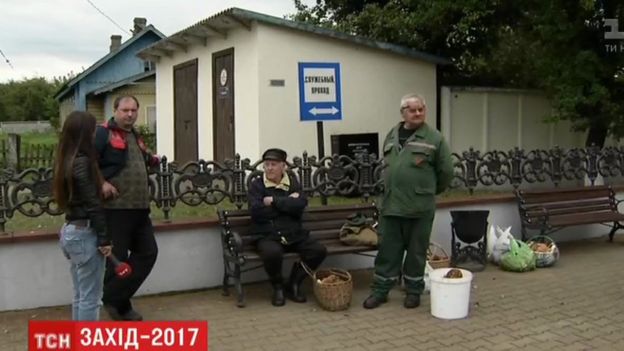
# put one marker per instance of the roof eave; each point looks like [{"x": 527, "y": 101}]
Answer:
[
  {"x": 201, "y": 31},
  {"x": 105, "y": 58}
]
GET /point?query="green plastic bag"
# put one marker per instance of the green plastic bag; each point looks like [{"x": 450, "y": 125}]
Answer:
[{"x": 520, "y": 257}]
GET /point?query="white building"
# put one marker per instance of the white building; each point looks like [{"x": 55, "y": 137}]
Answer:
[{"x": 230, "y": 84}]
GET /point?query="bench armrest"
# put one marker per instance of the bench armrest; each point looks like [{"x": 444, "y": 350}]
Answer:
[
  {"x": 541, "y": 218},
  {"x": 232, "y": 244},
  {"x": 236, "y": 241}
]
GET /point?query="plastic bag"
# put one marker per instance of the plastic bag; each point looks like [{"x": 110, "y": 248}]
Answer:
[
  {"x": 428, "y": 269},
  {"x": 520, "y": 257},
  {"x": 501, "y": 246},
  {"x": 491, "y": 240}
]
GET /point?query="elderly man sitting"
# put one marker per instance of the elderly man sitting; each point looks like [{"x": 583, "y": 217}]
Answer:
[{"x": 276, "y": 204}]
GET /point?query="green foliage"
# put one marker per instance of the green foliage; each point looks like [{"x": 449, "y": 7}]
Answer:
[
  {"x": 148, "y": 137},
  {"x": 28, "y": 100},
  {"x": 50, "y": 138},
  {"x": 556, "y": 46}
]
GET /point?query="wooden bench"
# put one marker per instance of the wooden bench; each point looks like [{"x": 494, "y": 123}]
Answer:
[
  {"x": 552, "y": 210},
  {"x": 239, "y": 252}
]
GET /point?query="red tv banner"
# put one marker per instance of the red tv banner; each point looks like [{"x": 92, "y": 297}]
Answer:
[{"x": 114, "y": 336}]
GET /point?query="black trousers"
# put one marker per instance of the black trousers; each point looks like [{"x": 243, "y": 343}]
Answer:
[
  {"x": 134, "y": 243},
  {"x": 311, "y": 252}
]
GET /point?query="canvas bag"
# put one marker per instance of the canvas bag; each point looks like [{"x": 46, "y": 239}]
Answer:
[{"x": 358, "y": 230}]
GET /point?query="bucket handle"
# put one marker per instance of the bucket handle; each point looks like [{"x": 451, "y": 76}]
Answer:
[{"x": 437, "y": 246}]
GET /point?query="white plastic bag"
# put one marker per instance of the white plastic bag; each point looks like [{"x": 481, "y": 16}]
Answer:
[
  {"x": 428, "y": 269},
  {"x": 502, "y": 244},
  {"x": 491, "y": 241}
]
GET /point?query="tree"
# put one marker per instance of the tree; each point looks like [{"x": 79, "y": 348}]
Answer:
[
  {"x": 28, "y": 100},
  {"x": 557, "y": 46}
]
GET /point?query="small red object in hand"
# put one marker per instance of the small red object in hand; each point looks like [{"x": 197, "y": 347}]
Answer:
[{"x": 122, "y": 269}]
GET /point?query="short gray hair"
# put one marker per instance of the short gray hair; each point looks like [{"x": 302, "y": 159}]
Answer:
[{"x": 408, "y": 97}]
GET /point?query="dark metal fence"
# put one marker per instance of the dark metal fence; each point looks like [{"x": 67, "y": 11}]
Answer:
[{"x": 207, "y": 182}]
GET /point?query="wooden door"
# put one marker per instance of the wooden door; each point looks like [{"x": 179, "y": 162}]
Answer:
[
  {"x": 185, "y": 111},
  {"x": 223, "y": 104}
]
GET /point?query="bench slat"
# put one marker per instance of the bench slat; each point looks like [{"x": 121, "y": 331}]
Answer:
[
  {"x": 249, "y": 240},
  {"x": 574, "y": 194},
  {"x": 577, "y": 219},
  {"x": 333, "y": 248},
  {"x": 319, "y": 209},
  {"x": 568, "y": 210}
]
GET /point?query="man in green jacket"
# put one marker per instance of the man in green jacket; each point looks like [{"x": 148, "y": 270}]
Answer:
[{"x": 418, "y": 166}]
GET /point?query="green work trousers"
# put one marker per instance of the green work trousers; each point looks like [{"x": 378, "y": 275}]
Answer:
[{"x": 402, "y": 236}]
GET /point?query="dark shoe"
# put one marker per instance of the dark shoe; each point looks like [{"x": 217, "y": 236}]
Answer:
[
  {"x": 293, "y": 288},
  {"x": 411, "y": 301},
  {"x": 277, "y": 299},
  {"x": 132, "y": 315},
  {"x": 294, "y": 293},
  {"x": 113, "y": 313},
  {"x": 374, "y": 302}
]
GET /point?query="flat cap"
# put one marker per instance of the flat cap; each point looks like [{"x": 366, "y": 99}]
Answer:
[{"x": 274, "y": 154}]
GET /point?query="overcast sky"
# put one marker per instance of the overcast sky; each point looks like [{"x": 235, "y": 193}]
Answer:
[{"x": 54, "y": 37}]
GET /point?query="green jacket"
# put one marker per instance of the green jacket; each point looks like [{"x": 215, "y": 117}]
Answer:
[{"x": 414, "y": 173}]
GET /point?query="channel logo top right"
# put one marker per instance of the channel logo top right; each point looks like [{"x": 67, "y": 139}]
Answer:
[{"x": 612, "y": 32}]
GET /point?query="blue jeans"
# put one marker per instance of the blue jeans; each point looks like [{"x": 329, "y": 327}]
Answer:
[{"x": 87, "y": 270}]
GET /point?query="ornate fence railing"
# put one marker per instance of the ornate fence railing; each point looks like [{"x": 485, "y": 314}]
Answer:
[{"x": 208, "y": 182}]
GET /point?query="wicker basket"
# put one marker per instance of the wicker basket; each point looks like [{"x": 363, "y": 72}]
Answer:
[
  {"x": 335, "y": 295},
  {"x": 437, "y": 257},
  {"x": 544, "y": 258}
]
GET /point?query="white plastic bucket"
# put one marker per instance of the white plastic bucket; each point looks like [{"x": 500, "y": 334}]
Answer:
[{"x": 450, "y": 297}]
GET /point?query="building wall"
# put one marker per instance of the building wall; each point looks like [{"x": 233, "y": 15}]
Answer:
[
  {"x": 66, "y": 106},
  {"x": 373, "y": 82},
  {"x": 144, "y": 91},
  {"x": 245, "y": 93},
  {"x": 95, "y": 106},
  {"x": 35, "y": 274},
  {"x": 499, "y": 119}
]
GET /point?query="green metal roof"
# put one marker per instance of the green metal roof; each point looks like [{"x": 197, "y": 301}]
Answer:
[{"x": 218, "y": 24}]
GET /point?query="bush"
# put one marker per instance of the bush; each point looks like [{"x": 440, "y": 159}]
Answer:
[{"x": 148, "y": 137}]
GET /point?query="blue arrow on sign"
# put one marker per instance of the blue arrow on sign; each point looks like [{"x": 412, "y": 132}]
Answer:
[{"x": 319, "y": 91}]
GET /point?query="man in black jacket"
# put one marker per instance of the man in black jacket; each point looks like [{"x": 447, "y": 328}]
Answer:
[
  {"x": 123, "y": 161},
  {"x": 276, "y": 204}
]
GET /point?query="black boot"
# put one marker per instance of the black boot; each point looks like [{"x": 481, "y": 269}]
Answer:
[
  {"x": 293, "y": 288},
  {"x": 411, "y": 301},
  {"x": 277, "y": 299},
  {"x": 374, "y": 301}
]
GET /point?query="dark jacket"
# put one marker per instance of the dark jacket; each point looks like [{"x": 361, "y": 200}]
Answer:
[
  {"x": 283, "y": 218},
  {"x": 85, "y": 202},
  {"x": 112, "y": 147}
]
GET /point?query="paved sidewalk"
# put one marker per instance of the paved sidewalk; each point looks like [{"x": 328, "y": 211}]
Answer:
[{"x": 576, "y": 305}]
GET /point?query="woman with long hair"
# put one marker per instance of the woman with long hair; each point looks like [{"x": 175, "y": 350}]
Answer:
[{"x": 83, "y": 238}]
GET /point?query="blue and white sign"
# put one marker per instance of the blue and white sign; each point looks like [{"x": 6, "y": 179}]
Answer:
[{"x": 319, "y": 91}]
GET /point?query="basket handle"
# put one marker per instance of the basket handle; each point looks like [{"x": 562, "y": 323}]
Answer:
[
  {"x": 311, "y": 273},
  {"x": 438, "y": 246},
  {"x": 546, "y": 239},
  {"x": 340, "y": 274},
  {"x": 307, "y": 269}
]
